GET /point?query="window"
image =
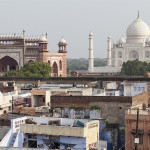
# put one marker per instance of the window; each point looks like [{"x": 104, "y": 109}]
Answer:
[
  {"x": 143, "y": 89},
  {"x": 139, "y": 88},
  {"x": 134, "y": 88},
  {"x": 9, "y": 108},
  {"x": 32, "y": 136},
  {"x": 147, "y": 54},
  {"x": 60, "y": 65},
  {"x": 119, "y": 54}
]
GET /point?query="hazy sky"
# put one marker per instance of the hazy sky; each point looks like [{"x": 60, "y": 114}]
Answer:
[{"x": 73, "y": 19}]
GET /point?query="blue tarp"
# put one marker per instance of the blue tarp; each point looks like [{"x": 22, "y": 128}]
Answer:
[{"x": 79, "y": 124}]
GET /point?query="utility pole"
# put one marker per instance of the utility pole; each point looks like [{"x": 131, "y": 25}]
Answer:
[{"x": 137, "y": 121}]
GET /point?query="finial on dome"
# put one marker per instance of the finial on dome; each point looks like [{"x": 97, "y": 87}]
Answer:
[
  {"x": 91, "y": 33},
  {"x": 138, "y": 14},
  {"x": 23, "y": 33},
  {"x": 46, "y": 35},
  {"x": 109, "y": 37}
]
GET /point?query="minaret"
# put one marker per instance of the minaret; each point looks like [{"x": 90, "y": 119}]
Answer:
[
  {"x": 91, "y": 58},
  {"x": 109, "y": 52},
  {"x": 24, "y": 46}
]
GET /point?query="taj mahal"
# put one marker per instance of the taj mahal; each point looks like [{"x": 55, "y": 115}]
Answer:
[{"x": 136, "y": 45}]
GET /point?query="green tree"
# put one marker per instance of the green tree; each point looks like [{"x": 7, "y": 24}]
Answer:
[
  {"x": 135, "y": 67},
  {"x": 35, "y": 69}
]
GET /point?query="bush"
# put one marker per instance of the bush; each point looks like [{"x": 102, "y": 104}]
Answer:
[{"x": 95, "y": 107}]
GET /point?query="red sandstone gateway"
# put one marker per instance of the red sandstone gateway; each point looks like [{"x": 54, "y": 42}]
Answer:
[{"x": 16, "y": 50}]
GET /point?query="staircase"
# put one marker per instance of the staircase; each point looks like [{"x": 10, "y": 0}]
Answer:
[{"x": 13, "y": 139}]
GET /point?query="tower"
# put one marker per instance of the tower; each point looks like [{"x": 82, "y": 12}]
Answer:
[
  {"x": 43, "y": 51},
  {"x": 109, "y": 52},
  {"x": 91, "y": 58},
  {"x": 62, "y": 46},
  {"x": 63, "y": 63}
]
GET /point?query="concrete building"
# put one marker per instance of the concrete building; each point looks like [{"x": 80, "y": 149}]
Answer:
[
  {"x": 135, "y": 46},
  {"x": 40, "y": 98},
  {"x": 134, "y": 88},
  {"x": 6, "y": 101},
  {"x": 45, "y": 132},
  {"x": 16, "y": 50}
]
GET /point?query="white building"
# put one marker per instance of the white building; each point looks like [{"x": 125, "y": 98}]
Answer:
[
  {"x": 132, "y": 89},
  {"x": 6, "y": 101},
  {"x": 45, "y": 132},
  {"x": 135, "y": 46}
]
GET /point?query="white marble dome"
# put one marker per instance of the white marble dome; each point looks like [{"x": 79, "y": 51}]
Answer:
[
  {"x": 137, "y": 31},
  {"x": 122, "y": 40},
  {"x": 43, "y": 38},
  {"x": 62, "y": 41}
]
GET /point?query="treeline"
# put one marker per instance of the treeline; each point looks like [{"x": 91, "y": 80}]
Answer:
[
  {"x": 82, "y": 63},
  {"x": 135, "y": 67}
]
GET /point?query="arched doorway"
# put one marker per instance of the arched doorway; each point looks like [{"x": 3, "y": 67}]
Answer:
[
  {"x": 49, "y": 62},
  {"x": 55, "y": 69},
  {"x": 30, "y": 61},
  {"x": 133, "y": 55},
  {"x": 7, "y": 63}
]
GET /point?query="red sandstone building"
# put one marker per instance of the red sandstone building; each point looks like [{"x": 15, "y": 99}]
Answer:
[{"x": 16, "y": 50}]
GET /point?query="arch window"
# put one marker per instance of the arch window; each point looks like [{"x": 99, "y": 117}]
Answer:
[
  {"x": 133, "y": 55},
  {"x": 30, "y": 61},
  {"x": 55, "y": 69},
  {"x": 147, "y": 54},
  {"x": 60, "y": 65},
  {"x": 8, "y": 63},
  {"x": 119, "y": 54}
]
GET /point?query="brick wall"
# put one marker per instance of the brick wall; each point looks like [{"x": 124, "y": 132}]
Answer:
[
  {"x": 112, "y": 107},
  {"x": 84, "y": 101},
  {"x": 143, "y": 125},
  {"x": 6, "y": 89}
]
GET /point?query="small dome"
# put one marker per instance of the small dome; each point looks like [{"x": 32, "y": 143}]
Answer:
[
  {"x": 62, "y": 41},
  {"x": 90, "y": 34},
  {"x": 137, "y": 31},
  {"x": 109, "y": 37},
  {"x": 148, "y": 40},
  {"x": 43, "y": 38},
  {"x": 122, "y": 40}
]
